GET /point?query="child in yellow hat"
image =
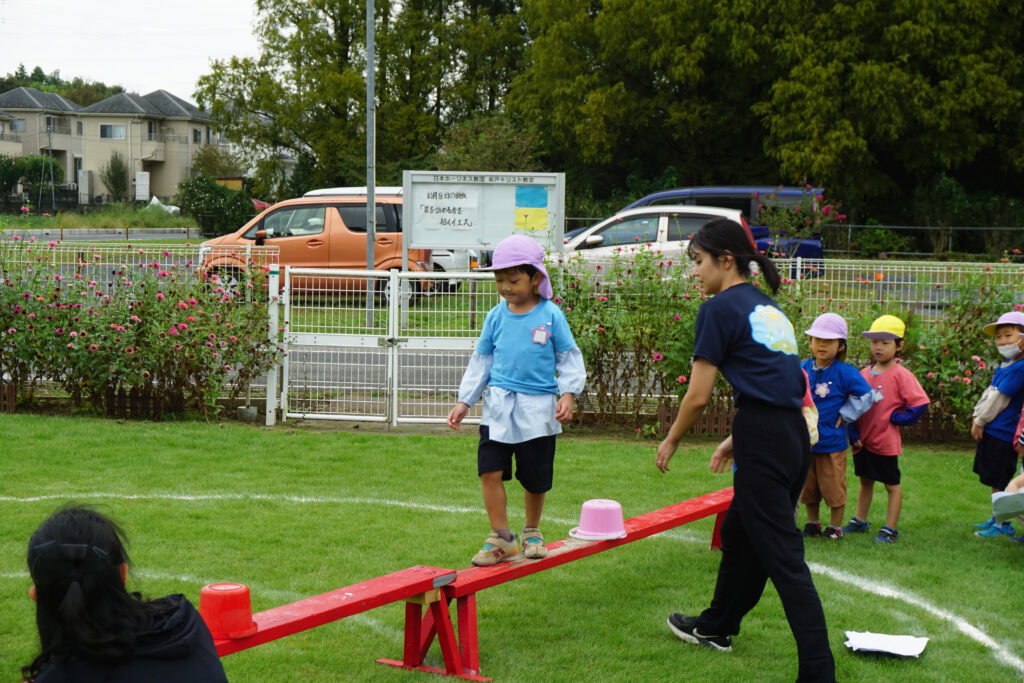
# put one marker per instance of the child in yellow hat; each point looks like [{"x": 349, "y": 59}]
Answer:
[{"x": 899, "y": 400}]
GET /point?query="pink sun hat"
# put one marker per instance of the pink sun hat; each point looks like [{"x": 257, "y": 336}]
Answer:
[
  {"x": 520, "y": 250},
  {"x": 828, "y": 326},
  {"x": 1011, "y": 318}
]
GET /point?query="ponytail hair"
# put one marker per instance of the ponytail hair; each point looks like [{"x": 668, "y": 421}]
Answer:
[
  {"x": 722, "y": 237},
  {"x": 82, "y": 606}
]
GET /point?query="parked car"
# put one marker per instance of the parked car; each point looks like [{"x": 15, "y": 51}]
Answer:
[
  {"x": 322, "y": 229},
  {"x": 667, "y": 228},
  {"x": 744, "y": 198}
]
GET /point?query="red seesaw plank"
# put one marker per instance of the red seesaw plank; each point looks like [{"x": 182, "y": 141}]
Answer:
[
  {"x": 337, "y": 604},
  {"x": 473, "y": 579}
]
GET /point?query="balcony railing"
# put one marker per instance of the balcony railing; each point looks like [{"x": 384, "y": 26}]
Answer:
[
  {"x": 58, "y": 129},
  {"x": 10, "y": 137}
]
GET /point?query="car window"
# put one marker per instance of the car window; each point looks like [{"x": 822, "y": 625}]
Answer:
[
  {"x": 737, "y": 203},
  {"x": 291, "y": 221},
  {"x": 628, "y": 231},
  {"x": 354, "y": 217},
  {"x": 683, "y": 227}
]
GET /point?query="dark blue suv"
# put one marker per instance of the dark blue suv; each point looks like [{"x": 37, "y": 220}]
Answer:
[{"x": 745, "y": 198}]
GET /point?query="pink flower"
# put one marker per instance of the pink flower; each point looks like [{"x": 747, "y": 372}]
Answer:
[
  {"x": 11, "y": 330},
  {"x": 677, "y": 317},
  {"x": 160, "y": 296},
  {"x": 73, "y": 334},
  {"x": 931, "y": 375},
  {"x": 191, "y": 319},
  {"x": 131, "y": 349},
  {"x": 1018, "y": 307},
  {"x": 182, "y": 304},
  {"x": 657, "y": 356},
  {"x": 681, "y": 379},
  {"x": 211, "y": 336},
  {"x": 51, "y": 243},
  {"x": 982, "y": 365},
  {"x": 182, "y": 326},
  {"x": 173, "y": 331},
  {"x": 967, "y": 380},
  {"x": 71, "y": 346},
  {"x": 210, "y": 344},
  {"x": 975, "y": 358},
  {"x": 93, "y": 347}
]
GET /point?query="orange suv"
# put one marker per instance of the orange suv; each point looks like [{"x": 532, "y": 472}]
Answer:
[{"x": 322, "y": 229}]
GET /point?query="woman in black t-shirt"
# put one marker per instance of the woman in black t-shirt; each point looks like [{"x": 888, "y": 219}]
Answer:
[{"x": 741, "y": 332}]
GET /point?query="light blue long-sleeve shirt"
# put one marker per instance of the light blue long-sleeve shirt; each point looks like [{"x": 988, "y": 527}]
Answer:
[{"x": 512, "y": 416}]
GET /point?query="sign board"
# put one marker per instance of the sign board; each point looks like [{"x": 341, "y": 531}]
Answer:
[{"x": 476, "y": 210}]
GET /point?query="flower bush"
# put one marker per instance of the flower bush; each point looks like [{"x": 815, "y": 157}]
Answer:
[
  {"x": 152, "y": 329},
  {"x": 634, "y": 318},
  {"x": 806, "y": 218}
]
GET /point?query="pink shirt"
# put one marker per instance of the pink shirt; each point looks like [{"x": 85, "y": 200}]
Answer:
[{"x": 895, "y": 388}]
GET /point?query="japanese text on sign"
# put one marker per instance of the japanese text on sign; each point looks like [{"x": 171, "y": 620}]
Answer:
[{"x": 444, "y": 209}]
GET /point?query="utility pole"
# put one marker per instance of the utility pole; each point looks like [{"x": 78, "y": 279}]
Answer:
[
  {"x": 371, "y": 168},
  {"x": 49, "y": 144}
]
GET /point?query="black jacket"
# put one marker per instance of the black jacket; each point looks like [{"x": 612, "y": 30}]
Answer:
[{"x": 176, "y": 648}]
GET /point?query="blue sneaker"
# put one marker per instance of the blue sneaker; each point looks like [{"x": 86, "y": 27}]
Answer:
[
  {"x": 986, "y": 524},
  {"x": 856, "y": 526},
  {"x": 996, "y": 530},
  {"x": 887, "y": 535}
]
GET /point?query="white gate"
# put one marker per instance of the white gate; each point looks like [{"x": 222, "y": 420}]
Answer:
[{"x": 393, "y": 355}]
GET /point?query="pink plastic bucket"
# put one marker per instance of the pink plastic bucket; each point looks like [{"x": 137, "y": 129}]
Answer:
[
  {"x": 600, "y": 520},
  {"x": 227, "y": 610}
]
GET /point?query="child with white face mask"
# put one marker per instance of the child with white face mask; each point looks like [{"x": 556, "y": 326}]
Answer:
[{"x": 996, "y": 415}]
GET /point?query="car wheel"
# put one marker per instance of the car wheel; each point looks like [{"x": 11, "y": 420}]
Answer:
[
  {"x": 230, "y": 279},
  {"x": 443, "y": 286}
]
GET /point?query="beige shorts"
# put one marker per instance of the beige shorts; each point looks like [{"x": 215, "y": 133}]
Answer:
[{"x": 826, "y": 479}]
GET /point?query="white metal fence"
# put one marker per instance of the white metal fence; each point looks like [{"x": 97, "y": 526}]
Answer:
[
  {"x": 399, "y": 358},
  {"x": 923, "y": 288},
  {"x": 395, "y": 355}
]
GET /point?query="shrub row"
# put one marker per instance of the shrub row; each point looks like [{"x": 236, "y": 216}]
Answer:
[
  {"x": 155, "y": 328},
  {"x": 634, "y": 320}
]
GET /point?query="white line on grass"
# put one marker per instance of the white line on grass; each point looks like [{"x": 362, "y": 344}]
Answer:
[
  {"x": 870, "y": 586},
  {"x": 886, "y": 591}
]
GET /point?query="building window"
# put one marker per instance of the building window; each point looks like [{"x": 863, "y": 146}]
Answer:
[
  {"x": 151, "y": 130},
  {"x": 18, "y": 126},
  {"x": 197, "y": 136},
  {"x": 207, "y": 135},
  {"x": 111, "y": 131},
  {"x": 78, "y": 127}
]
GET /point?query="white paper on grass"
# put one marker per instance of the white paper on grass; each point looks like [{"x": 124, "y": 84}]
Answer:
[{"x": 901, "y": 646}]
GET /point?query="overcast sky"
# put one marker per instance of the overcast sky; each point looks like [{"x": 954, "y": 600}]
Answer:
[{"x": 142, "y": 45}]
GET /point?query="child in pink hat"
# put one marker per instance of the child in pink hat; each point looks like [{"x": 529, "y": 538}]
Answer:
[
  {"x": 529, "y": 370},
  {"x": 996, "y": 415}
]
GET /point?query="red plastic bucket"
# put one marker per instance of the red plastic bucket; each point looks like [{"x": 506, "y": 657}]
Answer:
[{"x": 227, "y": 610}]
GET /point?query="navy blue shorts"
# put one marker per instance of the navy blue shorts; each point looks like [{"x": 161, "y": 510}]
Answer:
[
  {"x": 535, "y": 460},
  {"x": 995, "y": 461},
  {"x": 881, "y": 468}
]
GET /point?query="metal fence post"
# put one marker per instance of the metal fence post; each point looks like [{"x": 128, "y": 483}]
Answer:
[{"x": 274, "y": 335}]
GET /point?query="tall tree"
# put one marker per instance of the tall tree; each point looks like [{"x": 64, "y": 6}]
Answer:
[
  {"x": 622, "y": 90},
  {"x": 878, "y": 98},
  {"x": 304, "y": 93}
]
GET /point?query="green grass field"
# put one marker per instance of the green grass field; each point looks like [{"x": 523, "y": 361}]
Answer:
[{"x": 295, "y": 512}]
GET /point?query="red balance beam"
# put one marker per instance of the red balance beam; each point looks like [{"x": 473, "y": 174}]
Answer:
[
  {"x": 344, "y": 602},
  {"x": 419, "y": 635}
]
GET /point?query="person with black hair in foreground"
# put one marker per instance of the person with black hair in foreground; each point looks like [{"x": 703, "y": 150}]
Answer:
[
  {"x": 91, "y": 628},
  {"x": 741, "y": 332}
]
